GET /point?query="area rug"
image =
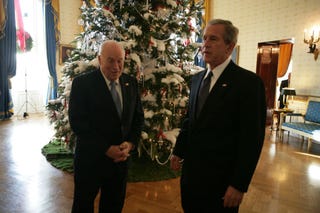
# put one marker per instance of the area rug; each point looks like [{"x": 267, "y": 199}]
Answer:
[{"x": 142, "y": 168}]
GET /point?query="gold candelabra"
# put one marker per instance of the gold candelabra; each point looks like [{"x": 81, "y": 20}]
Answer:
[{"x": 312, "y": 42}]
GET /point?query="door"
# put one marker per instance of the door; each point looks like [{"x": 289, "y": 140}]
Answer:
[
  {"x": 267, "y": 65},
  {"x": 268, "y": 61}
]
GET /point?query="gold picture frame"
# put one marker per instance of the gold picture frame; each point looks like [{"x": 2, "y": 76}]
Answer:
[{"x": 65, "y": 52}]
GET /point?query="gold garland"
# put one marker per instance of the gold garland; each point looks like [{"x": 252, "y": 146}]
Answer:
[{"x": 2, "y": 18}]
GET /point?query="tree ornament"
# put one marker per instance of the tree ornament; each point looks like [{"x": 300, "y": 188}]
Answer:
[{"x": 157, "y": 4}]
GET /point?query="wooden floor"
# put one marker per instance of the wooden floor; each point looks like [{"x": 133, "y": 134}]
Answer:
[{"x": 287, "y": 178}]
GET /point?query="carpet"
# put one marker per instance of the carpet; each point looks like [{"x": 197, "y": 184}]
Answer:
[{"x": 142, "y": 168}]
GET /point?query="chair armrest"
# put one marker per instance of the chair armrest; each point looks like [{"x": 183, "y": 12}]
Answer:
[{"x": 295, "y": 114}]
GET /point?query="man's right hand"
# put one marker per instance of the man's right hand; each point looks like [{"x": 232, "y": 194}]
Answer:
[{"x": 116, "y": 153}]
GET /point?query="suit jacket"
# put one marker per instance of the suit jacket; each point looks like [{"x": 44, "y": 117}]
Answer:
[
  {"x": 222, "y": 146},
  {"x": 94, "y": 119},
  {"x": 284, "y": 83}
]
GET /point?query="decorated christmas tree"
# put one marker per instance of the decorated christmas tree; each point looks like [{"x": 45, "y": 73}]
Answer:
[{"x": 159, "y": 40}]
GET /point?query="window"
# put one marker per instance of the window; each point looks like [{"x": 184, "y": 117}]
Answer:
[{"x": 29, "y": 86}]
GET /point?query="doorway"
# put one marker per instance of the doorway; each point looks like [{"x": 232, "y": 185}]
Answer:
[{"x": 273, "y": 59}]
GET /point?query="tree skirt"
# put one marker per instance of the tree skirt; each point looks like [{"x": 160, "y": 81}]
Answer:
[{"x": 141, "y": 168}]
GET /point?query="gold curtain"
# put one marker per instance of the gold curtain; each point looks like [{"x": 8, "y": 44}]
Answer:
[
  {"x": 56, "y": 8},
  {"x": 2, "y": 17},
  {"x": 207, "y": 7},
  {"x": 207, "y": 10},
  {"x": 284, "y": 59}
]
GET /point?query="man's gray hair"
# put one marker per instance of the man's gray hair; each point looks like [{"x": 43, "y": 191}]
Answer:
[
  {"x": 108, "y": 42},
  {"x": 231, "y": 32}
]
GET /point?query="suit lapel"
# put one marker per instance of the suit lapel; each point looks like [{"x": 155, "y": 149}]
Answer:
[
  {"x": 125, "y": 89},
  {"x": 196, "y": 82},
  {"x": 101, "y": 85},
  {"x": 224, "y": 80}
]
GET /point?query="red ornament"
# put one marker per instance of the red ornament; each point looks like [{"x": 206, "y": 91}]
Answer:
[
  {"x": 160, "y": 134},
  {"x": 54, "y": 115},
  {"x": 138, "y": 74},
  {"x": 151, "y": 43},
  {"x": 163, "y": 92},
  {"x": 145, "y": 92},
  {"x": 107, "y": 8},
  {"x": 127, "y": 52},
  {"x": 186, "y": 42},
  {"x": 191, "y": 28},
  {"x": 157, "y": 4}
]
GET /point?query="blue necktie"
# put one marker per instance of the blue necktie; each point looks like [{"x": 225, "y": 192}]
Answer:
[
  {"x": 116, "y": 97},
  {"x": 203, "y": 92}
]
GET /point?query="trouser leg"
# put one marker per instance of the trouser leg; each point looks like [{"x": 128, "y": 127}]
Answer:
[{"x": 84, "y": 196}]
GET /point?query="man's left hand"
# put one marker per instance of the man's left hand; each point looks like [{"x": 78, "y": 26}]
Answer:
[
  {"x": 232, "y": 197},
  {"x": 125, "y": 148}
]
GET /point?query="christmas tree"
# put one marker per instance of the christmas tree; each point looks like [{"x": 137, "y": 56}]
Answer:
[{"x": 159, "y": 40}]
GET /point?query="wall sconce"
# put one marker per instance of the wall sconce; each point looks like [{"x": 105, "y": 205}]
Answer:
[
  {"x": 312, "y": 42},
  {"x": 287, "y": 92}
]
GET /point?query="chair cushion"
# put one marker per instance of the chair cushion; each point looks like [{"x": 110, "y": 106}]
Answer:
[{"x": 309, "y": 128}]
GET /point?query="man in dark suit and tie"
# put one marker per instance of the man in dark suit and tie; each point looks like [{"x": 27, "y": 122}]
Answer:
[
  {"x": 282, "y": 100},
  {"x": 222, "y": 135},
  {"x": 105, "y": 113}
]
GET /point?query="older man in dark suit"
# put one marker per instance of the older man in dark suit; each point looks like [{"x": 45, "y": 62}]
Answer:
[
  {"x": 106, "y": 115},
  {"x": 222, "y": 135}
]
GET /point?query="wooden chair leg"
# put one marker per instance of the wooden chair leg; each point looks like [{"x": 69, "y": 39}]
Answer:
[
  {"x": 281, "y": 136},
  {"x": 304, "y": 140},
  {"x": 309, "y": 144},
  {"x": 301, "y": 145}
]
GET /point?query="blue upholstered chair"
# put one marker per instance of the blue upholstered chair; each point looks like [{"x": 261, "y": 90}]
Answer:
[{"x": 310, "y": 127}]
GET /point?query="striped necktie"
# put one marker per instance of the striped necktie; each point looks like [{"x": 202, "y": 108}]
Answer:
[{"x": 203, "y": 92}]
